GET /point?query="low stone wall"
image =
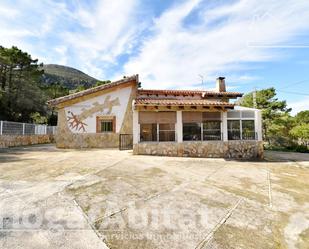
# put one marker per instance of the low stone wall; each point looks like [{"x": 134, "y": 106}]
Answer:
[
  {"x": 87, "y": 140},
  {"x": 15, "y": 140},
  {"x": 214, "y": 149}
]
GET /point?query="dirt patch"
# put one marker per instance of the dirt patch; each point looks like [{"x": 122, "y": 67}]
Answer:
[
  {"x": 277, "y": 228},
  {"x": 214, "y": 203},
  {"x": 228, "y": 236},
  {"x": 292, "y": 181},
  {"x": 243, "y": 192},
  {"x": 303, "y": 240}
]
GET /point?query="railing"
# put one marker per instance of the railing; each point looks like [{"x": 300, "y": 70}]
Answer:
[
  {"x": 245, "y": 135},
  {"x": 23, "y": 129},
  {"x": 211, "y": 135},
  {"x": 233, "y": 135},
  {"x": 249, "y": 135},
  {"x": 167, "y": 136}
]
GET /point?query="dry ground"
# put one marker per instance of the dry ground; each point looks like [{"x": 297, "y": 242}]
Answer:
[{"x": 51, "y": 198}]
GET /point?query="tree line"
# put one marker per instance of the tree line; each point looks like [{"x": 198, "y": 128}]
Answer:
[{"x": 23, "y": 94}]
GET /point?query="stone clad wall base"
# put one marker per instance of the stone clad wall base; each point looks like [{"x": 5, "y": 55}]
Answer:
[
  {"x": 88, "y": 140},
  {"x": 15, "y": 140},
  {"x": 213, "y": 149}
]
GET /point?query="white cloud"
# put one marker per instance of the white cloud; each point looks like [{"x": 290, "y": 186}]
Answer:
[
  {"x": 61, "y": 54},
  {"x": 218, "y": 44},
  {"x": 9, "y": 13},
  {"x": 298, "y": 106},
  {"x": 92, "y": 33},
  {"x": 32, "y": 26},
  {"x": 110, "y": 28}
]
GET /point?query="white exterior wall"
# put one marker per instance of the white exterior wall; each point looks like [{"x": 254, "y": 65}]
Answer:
[{"x": 118, "y": 111}]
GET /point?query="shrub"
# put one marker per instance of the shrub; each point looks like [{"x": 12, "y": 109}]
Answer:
[
  {"x": 291, "y": 148},
  {"x": 299, "y": 148}
]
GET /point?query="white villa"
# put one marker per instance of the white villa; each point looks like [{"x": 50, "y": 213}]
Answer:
[{"x": 159, "y": 122}]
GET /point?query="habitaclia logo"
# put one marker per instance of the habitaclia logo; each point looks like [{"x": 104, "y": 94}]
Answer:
[{"x": 152, "y": 219}]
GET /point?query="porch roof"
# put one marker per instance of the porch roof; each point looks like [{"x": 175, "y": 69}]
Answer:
[
  {"x": 181, "y": 103},
  {"x": 189, "y": 93},
  {"x": 184, "y": 102}
]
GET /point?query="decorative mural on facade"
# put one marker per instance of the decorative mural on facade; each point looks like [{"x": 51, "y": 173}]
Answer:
[
  {"x": 107, "y": 104},
  {"x": 81, "y": 117},
  {"x": 76, "y": 121}
]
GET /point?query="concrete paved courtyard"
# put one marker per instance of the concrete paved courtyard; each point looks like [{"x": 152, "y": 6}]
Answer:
[{"x": 52, "y": 198}]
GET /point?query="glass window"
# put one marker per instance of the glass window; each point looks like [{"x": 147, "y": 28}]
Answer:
[
  {"x": 233, "y": 127},
  {"x": 212, "y": 130},
  {"x": 148, "y": 132},
  {"x": 233, "y": 114},
  {"x": 248, "y": 114},
  {"x": 191, "y": 131},
  {"x": 248, "y": 130},
  {"x": 106, "y": 126},
  {"x": 166, "y": 132}
]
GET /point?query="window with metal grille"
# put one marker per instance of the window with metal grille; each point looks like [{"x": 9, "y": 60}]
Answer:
[
  {"x": 234, "y": 131},
  {"x": 248, "y": 130},
  {"x": 166, "y": 132},
  {"x": 106, "y": 126},
  {"x": 241, "y": 130},
  {"x": 212, "y": 130}
]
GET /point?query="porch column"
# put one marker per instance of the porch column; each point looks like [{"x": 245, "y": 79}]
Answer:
[
  {"x": 224, "y": 125},
  {"x": 136, "y": 127},
  {"x": 179, "y": 126},
  {"x": 258, "y": 125}
]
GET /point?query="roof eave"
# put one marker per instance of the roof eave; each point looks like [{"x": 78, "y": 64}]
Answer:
[{"x": 56, "y": 102}]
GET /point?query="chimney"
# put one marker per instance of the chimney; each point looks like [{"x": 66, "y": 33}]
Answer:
[{"x": 220, "y": 84}]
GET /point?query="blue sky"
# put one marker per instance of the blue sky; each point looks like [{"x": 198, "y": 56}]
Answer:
[{"x": 253, "y": 43}]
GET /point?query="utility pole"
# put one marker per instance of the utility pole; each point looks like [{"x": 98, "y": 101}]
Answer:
[{"x": 254, "y": 98}]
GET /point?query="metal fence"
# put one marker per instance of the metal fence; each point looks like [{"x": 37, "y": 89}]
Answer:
[
  {"x": 125, "y": 141},
  {"x": 15, "y": 128}
]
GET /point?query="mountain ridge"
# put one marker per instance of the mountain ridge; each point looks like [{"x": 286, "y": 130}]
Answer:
[{"x": 69, "y": 77}]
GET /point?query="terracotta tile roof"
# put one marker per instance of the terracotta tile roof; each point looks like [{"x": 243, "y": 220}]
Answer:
[
  {"x": 180, "y": 102},
  {"x": 57, "y": 101},
  {"x": 187, "y": 92}
]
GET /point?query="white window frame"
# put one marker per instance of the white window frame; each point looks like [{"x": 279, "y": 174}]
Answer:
[{"x": 240, "y": 118}]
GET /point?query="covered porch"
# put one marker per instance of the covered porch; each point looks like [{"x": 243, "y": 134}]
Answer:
[{"x": 213, "y": 130}]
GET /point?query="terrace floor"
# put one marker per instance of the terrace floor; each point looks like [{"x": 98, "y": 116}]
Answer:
[{"x": 55, "y": 198}]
